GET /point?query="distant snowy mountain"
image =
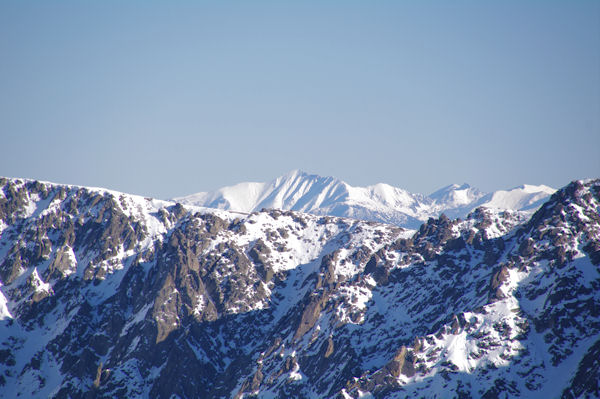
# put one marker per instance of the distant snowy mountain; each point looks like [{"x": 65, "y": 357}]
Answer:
[
  {"x": 299, "y": 191},
  {"x": 456, "y": 195},
  {"x": 525, "y": 197}
]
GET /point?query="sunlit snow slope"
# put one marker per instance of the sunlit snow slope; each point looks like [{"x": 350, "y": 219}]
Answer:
[{"x": 318, "y": 195}]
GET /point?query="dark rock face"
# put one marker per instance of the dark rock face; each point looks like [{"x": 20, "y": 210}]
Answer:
[
  {"x": 586, "y": 382},
  {"x": 107, "y": 295}
]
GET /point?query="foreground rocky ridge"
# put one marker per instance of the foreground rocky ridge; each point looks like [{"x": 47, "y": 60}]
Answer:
[{"x": 111, "y": 295}]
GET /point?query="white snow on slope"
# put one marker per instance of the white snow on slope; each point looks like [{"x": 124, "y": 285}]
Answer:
[
  {"x": 525, "y": 197},
  {"x": 456, "y": 195},
  {"x": 304, "y": 192},
  {"x": 4, "y": 312}
]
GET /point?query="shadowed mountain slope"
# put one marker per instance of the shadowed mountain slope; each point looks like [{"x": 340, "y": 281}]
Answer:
[{"x": 110, "y": 295}]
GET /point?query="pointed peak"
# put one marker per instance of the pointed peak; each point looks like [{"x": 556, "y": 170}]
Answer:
[
  {"x": 295, "y": 173},
  {"x": 450, "y": 188},
  {"x": 532, "y": 188},
  {"x": 456, "y": 195},
  {"x": 301, "y": 174}
]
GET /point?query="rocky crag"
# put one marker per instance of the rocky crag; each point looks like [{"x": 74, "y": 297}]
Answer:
[{"x": 107, "y": 295}]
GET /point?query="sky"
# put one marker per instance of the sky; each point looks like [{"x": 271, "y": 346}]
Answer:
[{"x": 165, "y": 99}]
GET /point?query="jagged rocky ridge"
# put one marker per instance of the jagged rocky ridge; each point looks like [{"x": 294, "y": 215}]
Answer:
[{"x": 111, "y": 295}]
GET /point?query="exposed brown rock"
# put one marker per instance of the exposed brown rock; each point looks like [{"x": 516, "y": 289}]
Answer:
[
  {"x": 329, "y": 350},
  {"x": 310, "y": 315},
  {"x": 402, "y": 364}
]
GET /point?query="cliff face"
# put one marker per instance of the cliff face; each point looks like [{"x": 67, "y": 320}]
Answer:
[{"x": 111, "y": 295}]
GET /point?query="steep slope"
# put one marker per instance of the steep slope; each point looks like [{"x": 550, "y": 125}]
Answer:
[
  {"x": 110, "y": 295},
  {"x": 456, "y": 196},
  {"x": 533, "y": 321},
  {"x": 525, "y": 197},
  {"x": 318, "y": 195},
  {"x": 457, "y": 200},
  {"x": 114, "y": 294}
]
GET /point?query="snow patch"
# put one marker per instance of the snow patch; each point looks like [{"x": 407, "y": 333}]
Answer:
[
  {"x": 4, "y": 312},
  {"x": 138, "y": 317}
]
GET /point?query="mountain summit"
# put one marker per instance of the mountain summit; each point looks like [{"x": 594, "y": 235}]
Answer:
[
  {"x": 456, "y": 195},
  {"x": 299, "y": 191}
]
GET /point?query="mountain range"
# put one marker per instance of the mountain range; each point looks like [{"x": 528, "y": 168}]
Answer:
[
  {"x": 110, "y": 295},
  {"x": 299, "y": 191}
]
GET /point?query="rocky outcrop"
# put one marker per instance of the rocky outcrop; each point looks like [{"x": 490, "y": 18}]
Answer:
[
  {"x": 109, "y": 295},
  {"x": 586, "y": 382},
  {"x": 401, "y": 364}
]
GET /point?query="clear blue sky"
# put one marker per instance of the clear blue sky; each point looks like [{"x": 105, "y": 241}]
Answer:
[{"x": 170, "y": 98}]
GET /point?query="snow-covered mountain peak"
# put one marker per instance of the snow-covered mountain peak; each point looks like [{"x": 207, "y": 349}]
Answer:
[
  {"x": 525, "y": 197},
  {"x": 297, "y": 174},
  {"x": 456, "y": 195},
  {"x": 450, "y": 188},
  {"x": 311, "y": 193},
  {"x": 295, "y": 190},
  {"x": 390, "y": 196},
  {"x": 531, "y": 188}
]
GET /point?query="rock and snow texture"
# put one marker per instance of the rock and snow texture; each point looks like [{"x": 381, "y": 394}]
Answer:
[
  {"x": 318, "y": 195},
  {"x": 110, "y": 295}
]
